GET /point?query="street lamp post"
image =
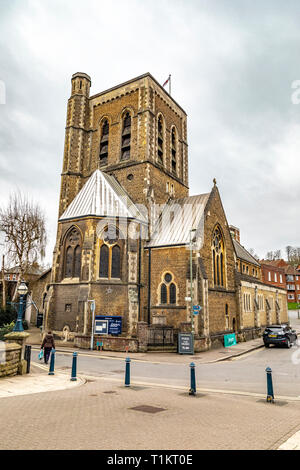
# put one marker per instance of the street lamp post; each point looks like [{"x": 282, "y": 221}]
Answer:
[{"x": 22, "y": 291}]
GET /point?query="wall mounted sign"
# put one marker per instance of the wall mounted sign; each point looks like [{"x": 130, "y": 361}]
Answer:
[{"x": 114, "y": 324}]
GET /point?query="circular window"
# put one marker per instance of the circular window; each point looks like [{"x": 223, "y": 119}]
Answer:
[
  {"x": 168, "y": 277},
  {"x": 130, "y": 177}
]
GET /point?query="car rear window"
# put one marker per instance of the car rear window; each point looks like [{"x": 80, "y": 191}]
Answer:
[{"x": 276, "y": 329}]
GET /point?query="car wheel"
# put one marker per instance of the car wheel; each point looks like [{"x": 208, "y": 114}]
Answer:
[
  {"x": 267, "y": 345},
  {"x": 288, "y": 344}
]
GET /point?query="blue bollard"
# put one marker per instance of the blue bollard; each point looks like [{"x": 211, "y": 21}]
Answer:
[
  {"x": 127, "y": 372},
  {"x": 52, "y": 362},
  {"x": 270, "y": 392},
  {"x": 193, "y": 380},
  {"x": 74, "y": 367}
]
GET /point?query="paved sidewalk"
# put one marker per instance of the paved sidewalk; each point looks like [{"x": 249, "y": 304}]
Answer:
[
  {"x": 36, "y": 382},
  {"x": 213, "y": 355},
  {"x": 293, "y": 443},
  {"x": 103, "y": 414}
]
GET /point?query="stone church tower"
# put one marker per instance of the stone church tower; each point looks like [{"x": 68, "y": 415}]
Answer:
[{"x": 126, "y": 143}]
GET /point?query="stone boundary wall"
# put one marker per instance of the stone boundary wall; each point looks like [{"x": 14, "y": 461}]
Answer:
[
  {"x": 10, "y": 358},
  {"x": 110, "y": 343}
]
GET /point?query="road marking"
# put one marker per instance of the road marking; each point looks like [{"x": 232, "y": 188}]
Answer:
[{"x": 200, "y": 390}]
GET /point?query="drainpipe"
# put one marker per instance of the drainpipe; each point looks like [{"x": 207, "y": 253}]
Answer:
[
  {"x": 139, "y": 274},
  {"x": 149, "y": 286}
]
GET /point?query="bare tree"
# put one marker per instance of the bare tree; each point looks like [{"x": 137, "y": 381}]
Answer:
[
  {"x": 288, "y": 250},
  {"x": 23, "y": 223},
  {"x": 252, "y": 252}
]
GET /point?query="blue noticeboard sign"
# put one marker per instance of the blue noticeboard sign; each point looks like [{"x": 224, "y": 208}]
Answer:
[
  {"x": 229, "y": 340},
  {"x": 113, "y": 322}
]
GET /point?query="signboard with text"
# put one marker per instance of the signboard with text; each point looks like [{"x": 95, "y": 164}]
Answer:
[
  {"x": 113, "y": 322},
  {"x": 185, "y": 343}
]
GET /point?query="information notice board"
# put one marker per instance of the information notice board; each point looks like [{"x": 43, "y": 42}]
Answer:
[{"x": 185, "y": 343}]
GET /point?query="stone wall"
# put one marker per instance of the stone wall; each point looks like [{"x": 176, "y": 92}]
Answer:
[{"x": 10, "y": 358}]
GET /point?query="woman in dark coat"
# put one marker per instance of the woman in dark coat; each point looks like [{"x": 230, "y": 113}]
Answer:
[{"x": 47, "y": 345}]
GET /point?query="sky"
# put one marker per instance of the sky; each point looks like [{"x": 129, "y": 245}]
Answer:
[{"x": 234, "y": 65}]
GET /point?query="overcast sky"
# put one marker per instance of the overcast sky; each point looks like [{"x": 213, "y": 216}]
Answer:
[{"x": 233, "y": 64}]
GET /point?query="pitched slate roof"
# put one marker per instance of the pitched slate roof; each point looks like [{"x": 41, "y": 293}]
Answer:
[
  {"x": 102, "y": 196},
  {"x": 178, "y": 217},
  {"x": 243, "y": 254}
]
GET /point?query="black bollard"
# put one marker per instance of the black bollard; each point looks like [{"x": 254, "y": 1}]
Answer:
[
  {"x": 270, "y": 392},
  {"x": 193, "y": 379}
]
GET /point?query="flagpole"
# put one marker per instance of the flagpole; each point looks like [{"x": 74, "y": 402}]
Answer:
[{"x": 170, "y": 84}]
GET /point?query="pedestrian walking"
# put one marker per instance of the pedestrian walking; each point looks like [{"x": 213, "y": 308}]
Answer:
[{"x": 47, "y": 345}]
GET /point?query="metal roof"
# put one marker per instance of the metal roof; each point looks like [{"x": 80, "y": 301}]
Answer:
[
  {"x": 243, "y": 254},
  {"x": 102, "y": 196},
  {"x": 178, "y": 217}
]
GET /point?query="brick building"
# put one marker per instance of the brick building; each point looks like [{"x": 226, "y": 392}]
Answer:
[
  {"x": 279, "y": 272},
  {"x": 131, "y": 238}
]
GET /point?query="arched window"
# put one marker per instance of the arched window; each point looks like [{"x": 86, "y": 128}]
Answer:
[
  {"x": 218, "y": 256},
  {"x": 163, "y": 294},
  {"x": 77, "y": 261},
  {"x": 126, "y": 137},
  {"x": 172, "y": 294},
  {"x": 104, "y": 261},
  {"x": 115, "y": 262},
  {"x": 160, "y": 140},
  {"x": 110, "y": 254},
  {"x": 104, "y": 142},
  {"x": 69, "y": 262},
  {"x": 174, "y": 151},
  {"x": 72, "y": 260},
  {"x": 168, "y": 290}
]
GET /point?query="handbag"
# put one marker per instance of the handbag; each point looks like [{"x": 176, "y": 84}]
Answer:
[{"x": 41, "y": 354}]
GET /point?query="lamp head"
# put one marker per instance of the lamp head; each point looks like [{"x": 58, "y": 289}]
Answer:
[{"x": 22, "y": 289}]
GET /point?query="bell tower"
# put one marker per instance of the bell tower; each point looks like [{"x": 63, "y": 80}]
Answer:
[{"x": 77, "y": 139}]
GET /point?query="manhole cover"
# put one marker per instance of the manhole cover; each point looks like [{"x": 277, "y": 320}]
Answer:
[
  {"x": 93, "y": 395},
  {"x": 118, "y": 371},
  {"x": 147, "y": 409},
  {"x": 109, "y": 391}
]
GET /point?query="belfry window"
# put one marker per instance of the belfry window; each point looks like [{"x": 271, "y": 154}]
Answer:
[
  {"x": 174, "y": 151},
  {"x": 160, "y": 141},
  {"x": 72, "y": 259},
  {"x": 218, "y": 255},
  {"x": 168, "y": 291},
  {"x": 126, "y": 137},
  {"x": 104, "y": 142}
]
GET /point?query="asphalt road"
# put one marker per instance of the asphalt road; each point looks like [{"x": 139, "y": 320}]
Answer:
[{"x": 245, "y": 374}]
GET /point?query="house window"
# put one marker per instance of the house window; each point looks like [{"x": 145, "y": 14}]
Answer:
[
  {"x": 104, "y": 142},
  {"x": 72, "y": 259},
  {"x": 160, "y": 140},
  {"x": 218, "y": 254},
  {"x": 269, "y": 276},
  {"x": 280, "y": 277},
  {"x": 174, "y": 151},
  {"x": 275, "y": 277},
  {"x": 168, "y": 290},
  {"x": 126, "y": 137}
]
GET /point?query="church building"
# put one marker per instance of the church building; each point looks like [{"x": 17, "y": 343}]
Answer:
[{"x": 132, "y": 244}]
